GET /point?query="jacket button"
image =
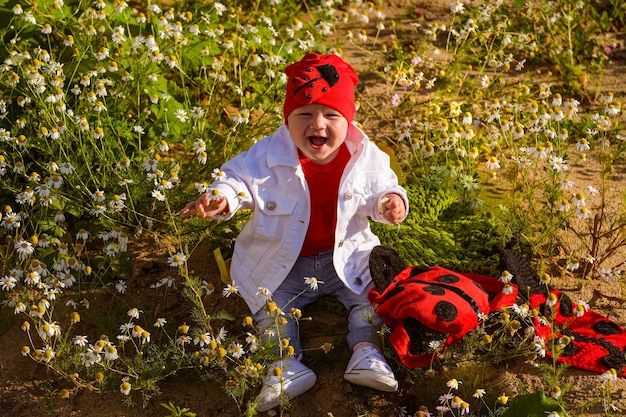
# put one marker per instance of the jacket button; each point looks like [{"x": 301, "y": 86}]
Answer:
[
  {"x": 358, "y": 281},
  {"x": 348, "y": 196},
  {"x": 271, "y": 205}
]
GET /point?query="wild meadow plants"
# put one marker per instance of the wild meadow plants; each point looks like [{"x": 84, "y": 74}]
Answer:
[{"x": 114, "y": 115}]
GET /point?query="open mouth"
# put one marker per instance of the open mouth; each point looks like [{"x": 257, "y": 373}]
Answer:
[{"x": 317, "y": 141}]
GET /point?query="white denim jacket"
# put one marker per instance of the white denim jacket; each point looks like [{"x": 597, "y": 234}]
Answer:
[{"x": 269, "y": 180}]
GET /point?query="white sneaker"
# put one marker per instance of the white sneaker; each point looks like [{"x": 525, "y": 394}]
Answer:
[
  {"x": 296, "y": 379},
  {"x": 368, "y": 367}
]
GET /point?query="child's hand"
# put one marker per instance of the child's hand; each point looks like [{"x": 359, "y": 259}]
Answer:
[
  {"x": 204, "y": 206},
  {"x": 392, "y": 208}
]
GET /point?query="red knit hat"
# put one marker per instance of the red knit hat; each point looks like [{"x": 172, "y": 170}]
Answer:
[{"x": 321, "y": 79}]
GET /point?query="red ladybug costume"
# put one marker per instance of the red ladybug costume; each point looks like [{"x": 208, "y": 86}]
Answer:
[
  {"x": 424, "y": 304},
  {"x": 597, "y": 343}
]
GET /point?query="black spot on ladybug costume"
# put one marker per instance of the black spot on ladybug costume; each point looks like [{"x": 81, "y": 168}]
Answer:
[{"x": 426, "y": 304}]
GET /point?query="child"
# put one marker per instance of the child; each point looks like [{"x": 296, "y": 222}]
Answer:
[{"x": 313, "y": 185}]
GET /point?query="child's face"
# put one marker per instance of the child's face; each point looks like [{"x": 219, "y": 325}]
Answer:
[{"x": 318, "y": 131}]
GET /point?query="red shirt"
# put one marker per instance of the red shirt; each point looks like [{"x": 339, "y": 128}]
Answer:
[{"x": 323, "y": 181}]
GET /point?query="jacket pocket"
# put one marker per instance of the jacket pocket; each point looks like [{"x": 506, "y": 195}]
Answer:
[
  {"x": 273, "y": 214},
  {"x": 365, "y": 183}
]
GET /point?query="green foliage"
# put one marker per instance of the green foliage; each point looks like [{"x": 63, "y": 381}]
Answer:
[
  {"x": 535, "y": 404},
  {"x": 176, "y": 411},
  {"x": 110, "y": 116},
  {"x": 442, "y": 231}
]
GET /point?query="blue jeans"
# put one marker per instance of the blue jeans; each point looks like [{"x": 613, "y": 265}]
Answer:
[{"x": 294, "y": 292}]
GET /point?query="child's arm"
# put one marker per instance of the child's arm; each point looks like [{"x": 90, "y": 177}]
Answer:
[
  {"x": 204, "y": 206},
  {"x": 392, "y": 208}
]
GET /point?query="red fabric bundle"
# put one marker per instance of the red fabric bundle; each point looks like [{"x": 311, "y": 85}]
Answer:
[
  {"x": 597, "y": 343},
  {"x": 446, "y": 302}
]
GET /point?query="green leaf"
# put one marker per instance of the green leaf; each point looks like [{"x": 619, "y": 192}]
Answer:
[{"x": 533, "y": 405}]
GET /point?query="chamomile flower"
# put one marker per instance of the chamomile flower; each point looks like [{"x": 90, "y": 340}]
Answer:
[
  {"x": 98, "y": 196},
  {"x": 479, "y": 393},
  {"x": 221, "y": 335},
  {"x": 453, "y": 384},
  {"x": 579, "y": 199},
  {"x": 583, "y": 213},
  {"x": 24, "y": 249},
  {"x": 551, "y": 300},
  {"x": 457, "y": 7},
  {"x": 150, "y": 164},
  {"x": 183, "y": 340},
  {"x": 564, "y": 205},
  {"x": 202, "y": 339},
  {"x": 177, "y": 259},
  {"x": 120, "y": 286},
  {"x": 582, "y": 145},
  {"x": 137, "y": 331},
  {"x": 97, "y": 210},
  {"x": 492, "y": 163},
  {"x": 110, "y": 353},
  {"x": 158, "y": 195},
  {"x": 236, "y": 350},
  {"x": 55, "y": 181},
  {"x": 218, "y": 175},
  {"x": 215, "y": 194},
  {"x": 207, "y": 287},
  {"x": 312, "y": 282},
  {"x": 125, "y": 388},
  {"x": 181, "y": 115},
  {"x": 80, "y": 340},
  {"x": 8, "y": 282},
  {"x": 545, "y": 278},
  {"x": 265, "y": 293},
  {"x": 82, "y": 234},
  {"x": 506, "y": 277},
  {"x": 89, "y": 358},
  {"x": 610, "y": 376},
  {"x": 166, "y": 281},
  {"x": 558, "y": 163},
  {"x": 32, "y": 278},
  {"x": 134, "y": 313},
  {"x": 229, "y": 290}
]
